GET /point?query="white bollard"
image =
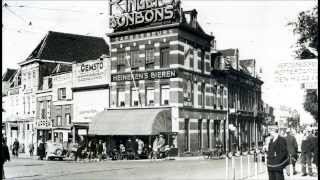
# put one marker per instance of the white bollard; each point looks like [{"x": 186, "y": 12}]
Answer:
[
  {"x": 248, "y": 158},
  {"x": 232, "y": 167},
  {"x": 241, "y": 168},
  {"x": 227, "y": 167},
  {"x": 260, "y": 163},
  {"x": 256, "y": 167}
]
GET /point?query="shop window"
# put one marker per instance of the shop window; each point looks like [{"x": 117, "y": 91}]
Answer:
[
  {"x": 164, "y": 57},
  {"x": 164, "y": 94},
  {"x": 149, "y": 96},
  {"x": 149, "y": 59},
  {"x": 68, "y": 118},
  {"x": 120, "y": 97},
  {"x": 62, "y": 93},
  {"x": 134, "y": 59},
  {"x": 121, "y": 62},
  {"x": 134, "y": 97}
]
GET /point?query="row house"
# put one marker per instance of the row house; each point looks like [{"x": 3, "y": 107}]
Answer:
[{"x": 41, "y": 89}]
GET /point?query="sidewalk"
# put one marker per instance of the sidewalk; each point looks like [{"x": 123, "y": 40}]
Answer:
[{"x": 264, "y": 176}]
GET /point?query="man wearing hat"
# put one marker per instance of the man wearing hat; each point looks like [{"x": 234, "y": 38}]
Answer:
[
  {"x": 292, "y": 147},
  {"x": 277, "y": 155},
  {"x": 306, "y": 152}
]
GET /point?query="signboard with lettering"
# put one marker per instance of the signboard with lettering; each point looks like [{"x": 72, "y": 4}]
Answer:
[
  {"x": 150, "y": 75},
  {"x": 132, "y": 13},
  {"x": 303, "y": 73},
  {"x": 90, "y": 73}
]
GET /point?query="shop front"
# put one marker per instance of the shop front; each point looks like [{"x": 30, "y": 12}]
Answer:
[{"x": 117, "y": 126}]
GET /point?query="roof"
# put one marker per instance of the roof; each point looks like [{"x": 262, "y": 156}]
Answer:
[
  {"x": 131, "y": 122},
  {"x": 62, "y": 68},
  {"x": 9, "y": 74},
  {"x": 66, "y": 47},
  {"x": 229, "y": 52}
]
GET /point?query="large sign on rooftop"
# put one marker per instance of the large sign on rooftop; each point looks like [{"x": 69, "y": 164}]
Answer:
[
  {"x": 131, "y": 13},
  {"x": 303, "y": 73}
]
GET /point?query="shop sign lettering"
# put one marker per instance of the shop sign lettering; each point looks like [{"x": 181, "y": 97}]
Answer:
[
  {"x": 126, "y": 13},
  {"x": 164, "y": 74}
]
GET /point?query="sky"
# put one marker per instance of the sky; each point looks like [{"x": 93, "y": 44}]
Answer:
[{"x": 257, "y": 28}]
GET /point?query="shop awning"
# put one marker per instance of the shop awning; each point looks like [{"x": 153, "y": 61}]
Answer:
[{"x": 131, "y": 122}]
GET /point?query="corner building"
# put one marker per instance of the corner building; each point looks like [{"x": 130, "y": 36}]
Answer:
[{"x": 161, "y": 83}]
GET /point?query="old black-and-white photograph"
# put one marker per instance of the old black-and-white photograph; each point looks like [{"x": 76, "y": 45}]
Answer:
[{"x": 160, "y": 89}]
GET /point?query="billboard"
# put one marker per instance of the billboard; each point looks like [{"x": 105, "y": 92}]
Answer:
[
  {"x": 303, "y": 73},
  {"x": 91, "y": 73},
  {"x": 132, "y": 13}
]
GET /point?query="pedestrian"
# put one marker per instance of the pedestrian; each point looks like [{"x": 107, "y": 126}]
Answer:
[
  {"x": 292, "y": 147},
  {"x": 100, "y": 149},
  {"x": 31, "y": 149},
  {"x": 155, "y": 148},
  {"x": 161, "y": 145},
  {"x": 315, "y": 150},
  {"x": 16, "y": 148},
  {"x": 130, "y": 147},
  {"x": 136, "y": 147},
  {"x": 90, "y": 150},
  {"x": 277, "y": 156},
  {"x": 5, "y": 156},
  {"x": 306, "y": 152},
  {"x": 140, "y": 146},
  {"x": 42, "y": 150}
]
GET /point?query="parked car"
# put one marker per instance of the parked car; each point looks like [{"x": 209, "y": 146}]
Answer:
[{"x": 55, "y": 151}]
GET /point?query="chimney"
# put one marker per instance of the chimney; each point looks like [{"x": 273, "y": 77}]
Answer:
[{"x": 193, "y": 20}]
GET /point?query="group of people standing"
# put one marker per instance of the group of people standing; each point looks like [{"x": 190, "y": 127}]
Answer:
[{"x": 284, "y": 149}]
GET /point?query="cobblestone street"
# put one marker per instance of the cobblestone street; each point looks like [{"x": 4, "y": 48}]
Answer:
[{"x": 187, "y": 168}]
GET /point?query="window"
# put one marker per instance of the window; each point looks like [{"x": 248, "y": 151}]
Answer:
[
  {"x": 215, "y": 89},
  {"x": 50, "y": 82},
  {"x": 202, "y": 61},
  {"x": 186, "y": 129},
  {"x": 121, "y": 62},
  {"x": 29, "y": 104},
  {"x": 134, "y": 97},
  {"x": 202, "y": 95},
  {"x": 164, "y": 94},
  {"x": 164, "y": 57},
  {"x": 121, "y": 97},
  {"x": 134, "y": 59},
  {"x": 48, "y": 108},
  {"x": 200, "y": 133},
  {"x": 68, "y": 118},
  {"x": 59, "y": 121},
  {"x": 29, "y": 75},
  {"x": 33, "y": 74},
  {"x": 149, "y": 58},
  {"x": 221, "y": 97},
  {"x": 62, "y": 93},
  {"x": 42, "y": 111},
  {"x": 149, "y": 96}
]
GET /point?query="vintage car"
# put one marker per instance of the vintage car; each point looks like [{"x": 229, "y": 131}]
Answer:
[{"x": 55, "y": 151}]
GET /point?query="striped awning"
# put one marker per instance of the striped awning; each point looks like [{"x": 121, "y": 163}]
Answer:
[{"x": 131, "y": 122}]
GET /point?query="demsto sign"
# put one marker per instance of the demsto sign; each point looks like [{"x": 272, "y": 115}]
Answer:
[{"x": 126, "y": 13}]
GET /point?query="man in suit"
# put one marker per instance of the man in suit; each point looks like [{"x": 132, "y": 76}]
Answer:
[
  {"x": 277, "y": 155},
  {"x": 306, "y": 152},
  {"x": 292, "y": 147}
]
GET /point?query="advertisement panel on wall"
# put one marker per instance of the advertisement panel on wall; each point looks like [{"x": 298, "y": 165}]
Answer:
[
  {"x": 88, "y": 103},
  {"x": 91, "y": 73}
]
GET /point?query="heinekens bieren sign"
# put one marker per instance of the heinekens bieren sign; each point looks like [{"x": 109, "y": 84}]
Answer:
[{"x": 130, "y": 13}]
